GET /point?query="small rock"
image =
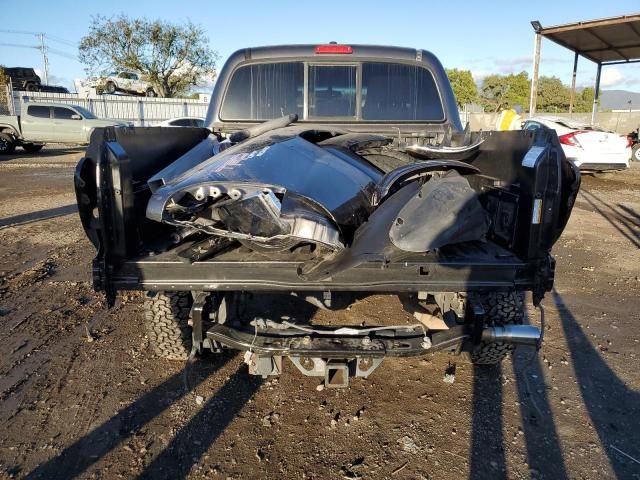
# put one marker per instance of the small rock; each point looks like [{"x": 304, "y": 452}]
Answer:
[
  {"x": 408, "y": 445},
  {"x": 199, "y": 399},
  {"x": 450, "y": 374},
  {"x": 320, "y": 387}
]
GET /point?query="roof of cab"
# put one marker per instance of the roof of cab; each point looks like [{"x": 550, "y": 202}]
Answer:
[{"x": 357, "y": 53}]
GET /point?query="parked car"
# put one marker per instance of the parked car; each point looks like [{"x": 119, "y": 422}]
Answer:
[
  {"x": 589, "y": 147},
  {"x": 327, "y": 173},
  {"x": 183, "y": 122},
  {"x": 41, "y": 123},
  {"x": 23, "y": 78},
  {"x": 126, "y": 82}
]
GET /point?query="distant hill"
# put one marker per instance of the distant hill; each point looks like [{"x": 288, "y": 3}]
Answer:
[{"x": 619, "y": 100}]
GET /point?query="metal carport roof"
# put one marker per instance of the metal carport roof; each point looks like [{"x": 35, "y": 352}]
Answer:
[{"x": 607, "y": 41}]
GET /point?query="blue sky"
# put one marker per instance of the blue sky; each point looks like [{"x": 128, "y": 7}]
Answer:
[{"x": 484, "y": 37}]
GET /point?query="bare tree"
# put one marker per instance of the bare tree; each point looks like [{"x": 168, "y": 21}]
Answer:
[{"x": 172, "y": 57}]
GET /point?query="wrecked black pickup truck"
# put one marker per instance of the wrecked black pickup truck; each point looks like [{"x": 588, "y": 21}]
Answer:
[{"x": 325, "y": 174}]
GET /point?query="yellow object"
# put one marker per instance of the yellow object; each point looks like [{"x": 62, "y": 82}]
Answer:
[{"x": 508, "y": 120}]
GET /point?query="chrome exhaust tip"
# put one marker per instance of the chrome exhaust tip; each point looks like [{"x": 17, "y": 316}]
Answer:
[{"x": 516, "y": 334}]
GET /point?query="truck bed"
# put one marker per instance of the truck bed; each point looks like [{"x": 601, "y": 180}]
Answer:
[{"x": 463, "y": 267}]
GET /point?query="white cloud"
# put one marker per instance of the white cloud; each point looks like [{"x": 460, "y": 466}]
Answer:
[
  {"x": 478, "y": 75},
  {"x": 512, "y": 62},
  {"x": 610, "y": 77}
]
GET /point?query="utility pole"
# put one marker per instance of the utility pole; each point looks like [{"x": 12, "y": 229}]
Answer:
[
  {"x": 573, "y": 83},
  {"x": 533, "y": 97},
  {"x": 45, "y": 58}
]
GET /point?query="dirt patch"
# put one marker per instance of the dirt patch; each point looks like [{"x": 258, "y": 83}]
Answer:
[{"x": 83, "y": 396}]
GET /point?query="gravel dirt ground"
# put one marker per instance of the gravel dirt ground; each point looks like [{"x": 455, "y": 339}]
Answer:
[{"x": 82, "y": 396}]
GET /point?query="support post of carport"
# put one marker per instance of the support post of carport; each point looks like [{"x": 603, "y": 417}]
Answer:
[
  {"x": 573, "y": 83},
  {"x": 533, "y": 97},
  {"x": 596, "y": 96}
]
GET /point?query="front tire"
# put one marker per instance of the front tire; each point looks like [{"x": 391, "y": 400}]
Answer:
[
  {"x": 501, "y": 308},
  {"x": 167, "y": 324},
  {"x": 7, "y": 144},
  {"x": 151, "y": 93},
  {"x": 110, "y": 88},
  {"x": 635, "y": 152}
]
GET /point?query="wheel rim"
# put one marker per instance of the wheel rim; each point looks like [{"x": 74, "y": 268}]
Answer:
[
  {"x": 4, "y": 145},
  {"x": 636, "y": 155}
]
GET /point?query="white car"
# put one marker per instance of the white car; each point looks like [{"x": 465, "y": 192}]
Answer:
[
  {"x": 183, "y": 122},
  {"x": 127, "y": 82},
  {"x": 589, "y": 147}
]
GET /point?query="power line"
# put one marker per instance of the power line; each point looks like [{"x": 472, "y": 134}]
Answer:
[
  {"x": 19, "y": 32},
  {"x": 62, "y": 53},
  {"x": 19, "y": 45},
  {"x": 63, "y": 41},
  {"x": 43, "y": 47}
]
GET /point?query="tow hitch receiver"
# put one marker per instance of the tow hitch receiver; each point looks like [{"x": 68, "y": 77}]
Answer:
[{"x": 336, "y": 374}]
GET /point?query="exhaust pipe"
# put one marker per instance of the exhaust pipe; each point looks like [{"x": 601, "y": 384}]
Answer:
[{"x": 516, "y": 334}]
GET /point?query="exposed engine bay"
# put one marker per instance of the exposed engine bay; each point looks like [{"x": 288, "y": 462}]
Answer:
[{"x": 341, "y": 197}]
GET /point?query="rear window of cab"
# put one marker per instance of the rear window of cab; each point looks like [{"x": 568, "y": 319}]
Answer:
[{"x": 387, "y": 92}]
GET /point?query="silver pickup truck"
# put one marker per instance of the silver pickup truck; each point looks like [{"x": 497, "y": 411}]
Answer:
[{"x": 42, "y": 123}]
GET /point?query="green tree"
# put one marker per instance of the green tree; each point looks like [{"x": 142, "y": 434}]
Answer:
[
  {"x": 553, "y": 95},
  {"x": 464, "y": 87},
  {"x": 172, "y": 57},
  {"x": 584, "y": 100},
  {"x": 498, "y": 92}
]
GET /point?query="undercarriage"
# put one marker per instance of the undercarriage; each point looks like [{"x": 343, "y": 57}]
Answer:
[{"x": 265, "y": 328}]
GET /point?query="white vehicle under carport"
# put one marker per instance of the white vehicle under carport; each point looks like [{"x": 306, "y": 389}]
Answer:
[
  {"x": 589, "y": 147},
  {"x": 42, "y": 123}
]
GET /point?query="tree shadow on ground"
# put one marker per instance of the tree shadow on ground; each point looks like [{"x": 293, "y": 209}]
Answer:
[
  {"x": 624, "y": 219},
  {"x": 487, "y": 440},
  {"x": 89, "y": 449},
  {"x": 614, "y": 409},
  {"x": 37, "y": 216},
  {"x": 194, "y": 439},
  {"x": 48, "y": 151},
  {"x": 544, "y": 454},
  {"x": 544, "y": 451}
]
